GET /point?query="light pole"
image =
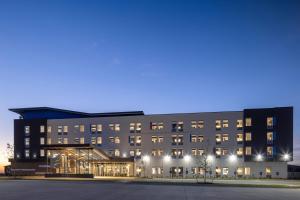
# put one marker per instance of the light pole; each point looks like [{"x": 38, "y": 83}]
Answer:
[
  {"x": 146, "y": 159},
  {"x": 166, "y": 158}
]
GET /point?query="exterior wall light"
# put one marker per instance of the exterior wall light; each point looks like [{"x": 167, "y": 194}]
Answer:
[
  {"x": 210, "y": 158},
  {"x": 259, "y": 157},
  {"x": 124, "y": 155},
  {"x": 167, "y": 158},
  {"x": 286, "y": 157},
  {"x": 232, "y": 158},
  {"x": 146, "y": 158},
  {"x": 187, "y": 158}
]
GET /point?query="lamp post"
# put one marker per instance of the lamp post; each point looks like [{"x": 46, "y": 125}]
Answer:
[
  {"x": 166, "y": 158},
  {"x": 146, "y": 159}
]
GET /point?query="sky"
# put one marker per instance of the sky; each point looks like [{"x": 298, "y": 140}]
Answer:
[{"x": 156, "y": 56}]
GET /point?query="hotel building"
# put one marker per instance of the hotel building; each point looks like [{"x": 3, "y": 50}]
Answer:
[{"x": 248, "y": 143}]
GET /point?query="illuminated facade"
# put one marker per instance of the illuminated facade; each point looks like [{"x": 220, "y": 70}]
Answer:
[{"x": 248, "y": 143}]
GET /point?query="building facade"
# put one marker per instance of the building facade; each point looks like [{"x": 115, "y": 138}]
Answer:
[{"x": 249, "y": 143}]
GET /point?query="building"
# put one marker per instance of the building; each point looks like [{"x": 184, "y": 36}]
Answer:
[{"x": 248, "y": 143}]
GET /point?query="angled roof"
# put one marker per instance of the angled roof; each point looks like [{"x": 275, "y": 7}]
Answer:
[{"x": 55, "y": 113}]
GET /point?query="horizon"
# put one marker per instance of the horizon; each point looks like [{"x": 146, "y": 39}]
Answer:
[{"x": 154, "y": 56}]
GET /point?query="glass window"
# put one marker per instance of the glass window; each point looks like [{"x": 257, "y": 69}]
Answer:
[
  {"x": 132, "y": 127},
  {"x": 93, "y": 140},
  {"x": 194, "y": 152},
  {"x": 239, "y": 123},
  {"x": 49, "y": 141},
  {"x": 138, "y": 152},
  {"x": 81, "y": 141},
  {"x": 239, "y": 137},
  {"x": 193, "y": 138},
  {"x": 93, "y": 128},
  {"x": 160, "y": 139},
  {"x": 65, "y": 140},
  {"x": 225, "y": 137},
  {"x": 49, "y": 129},
  {"x": 270, "y": 122},
  {"x": 27, "y": 142},
  {"x": 225, "y": 171},
  {"x": 248, "y": 151},
  {"x": 224, "y": 152},
  {"x": 269, "y": 151},
  {"x": 218, "y": 124},
  {"x": 81, "y": 128},
  {"x": 42, "y": 153},
  {"x": 239, "y": 151},
  {"x": 218, "y": 170},
  {"x": 99, "y": 128},
  {"x": 270, "y": 136},
  {"x": 59, "y": 140},
  {"x": 200, "y": 152},
  {"x": 131, "y": 153},
  {"x": 138, "y": 139},
  {"x": 27, "y": 153},
  {"x": 99, "y": 140},
  {"x": 193, "y": 124},
  {"x": 117, "y": 140},
  {"x": 154, "y": 139},
  {"x": 268, "y": 171},
  {"x": 117, "y": 127},
  {"x": 225, "y": 123},
  {"x": 42, "y": 129},
  {"x": 248, "y": 121},
  {"x": 117, "y": 153},
  {"x": 240, "y": 171},
  {"x": 218, "y": 138},
  {"x": 66, "y": 129},
  {"x": 200, "y": 138},
  {"x": 42, "y": 140},
  {"x": 27, "y": 129},
  {"x": 248, "y": 136},
  {"x": 153, "y": 153},
  {"x": 247, "y": 171},
  {"x": 218, "y": 151},
  {"x": 59, "y": 129}
]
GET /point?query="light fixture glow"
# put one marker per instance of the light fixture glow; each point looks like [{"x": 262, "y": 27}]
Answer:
[
  {"x": 167, "y": 158},
  {"x": 232, "y": 158},
  {"x": 286, "y": 157},
  {"x": 187, "y": 158},
  {"x": 146, "y": 158},
  {"x": 210, "y": 158},
  {"x": 124, "y": 155},
  {"x": 259, "y": 157}
]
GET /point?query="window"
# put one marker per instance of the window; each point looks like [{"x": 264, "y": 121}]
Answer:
[
  {"x": 270, "y": 122},
  {"x": 138, "y": 152},
  {"x": 76, "y": 140},
  {"x": 268, "y": 171},
  {"x": 248, "y": 121},
  {"x": 99, "y": 140},
  {"x": 157, "y": 139},
  {"x": 218, "y": 124},
  {"x": 117, "y": 153},
  {"x": 59, "y": 130},
  {"x": 59, "y": 140},
  {"x": 239, "y": 137},
  {"x": 225, "y": 137},
  {"x": 269, "y": 151},
  {"x": 131, "y": 140},
  {"x": 218, "y": 151},
  {"x": 240, "y": 171},
  {"x": 138, "y": 140},
  {"x": 239, "y": 123},
  {"x": 42, "y": 129},
  {"x": 114, "y": 127},
  {"x": 153, "y": 152},
  {"x": 248, "y": 151},
  {"x": 42, "y": 153},
  {"x": 66, "y": 129},
  {"x": 156, "y": 125},
  {"x": 193, "y": 124},
  {"x": 27, "y": 142},
  {"x": 200, "y": 152},
  {"x": 93, "y": 140},
  {"x": 27, "y": 153},
  {"x": 224, "y": 152},
  {"x": 248, "y": 136},
  {"x": 225, "y": 171},
  {"x": 193, "y": 138},
  {"x": 247, "y": 171},
  {"x": 27, "y": 130},
  {"x": 81, "y": 128},
  {"x": 197, "y": 124},
  {"x": 218, "y": 138},
  {"x": 49, "y": 129},
  {"x": 117, "y": 140},
  {"x": 49, "y": 141},
  {"x": 81, "y": 140},
  {"x": 132, "y": 127},
  {"x": 42, "y": 140},
  {"x": 99, "y": 128},
  {"x": 225, "y": 123},
  {"x": 218, "y": 171},
  {"x": 194, "y": 152},
  {"x": 135, "y": 127},
  {"x": 177, "y": 126},
  {"x": 200, "y": 138},
  {"x": 131, "y": 153},
  {"x": 65, "y": 140},
  {"x": 239, "y": 151},
  {"x": 270, "y": 137},
  {"x": 93, "y": 128},
  {"x": 160, "y": 139}
]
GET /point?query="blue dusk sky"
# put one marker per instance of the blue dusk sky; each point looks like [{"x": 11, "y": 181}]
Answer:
[{"x": 156, "y": 56}]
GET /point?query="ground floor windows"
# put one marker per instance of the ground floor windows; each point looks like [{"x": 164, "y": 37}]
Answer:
[{"x": 247, "y": 171}]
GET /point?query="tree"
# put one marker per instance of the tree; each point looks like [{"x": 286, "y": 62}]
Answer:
[
  {"x": 204, "y": 162},
  {"x": 10, "y": 153}
]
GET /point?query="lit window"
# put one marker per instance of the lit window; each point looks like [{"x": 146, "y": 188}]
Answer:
[
  {"x": 131, "y": 153},
  {"x": 42, "y": 152},
  {"x": 239, "y": 151},
  {"x": 59, "y": 129},
  {"x": 225, "y": 137},
  {"x": 218, "y": 151},
  {"x": 49, "y": 141},
  {"x": 153, "y": 170},
  {"x": 131, "y": 140},
  {"x": 99, "y": 140},
  {"x": 27, "y": 153},
  {"x": 218, "y": 138},
  {"x": 248, "y": 136},
  {"x": 93, "y": 128},
  {"x": 247, "y": 171},
  {"x": 224, "y": 152},
  {"x": 65, "y": 140},
  {"x": 270, "y": 122},
  {"x": 117, "y": 153},
  {"x": 42, "y": 129},
  {"x": 132, "y": 127},
  {"x": 154, "y": 139},
  {"x": 268, "y": 171},
  {"x": 138, "y": 152},
  {"x": 200, "y": 152},
  {"x": 160, "y": 139},
  {"x": 239, "y": 137},
  {"x": 27, "y": 142},
  {"x": 49, "y": 129},
  {"x": 248, "y": 151},
  {"x": 27, "y": 129},
  {"x": 59, "y": 140},
  {"x": 156, "y": 125},
  {"x": 138, "y": 127},
  {"x": 81, "y": 128},
  {"x": 239, "y": 123},
  {"x": 114, "y": 127},
  {"x": 270, "y": 136},
  {"x": 99, "y": 128},
  {"x": 93, "y": 140},
  {"x": 193, "y": 124},
  {"x": 117, "y": 140},
  {"x": 218, "y": 124},
  {"x": 153, "y": 152},
  {"x": 138, "y": 140},
  {"x": 200, "y": 138},
  {"x": 177, "y": 126},
  {"x": 269, "y": 151},
  {"x": 81, "y": 140},
  {"x": 42, "y": 141},
  {"x": 194, "y": 152},
  {"x": 240, "y": 171},
  {"x": 66, "y": 129},
  {"x": 193, "y": 138},
  {"x": 248, "y": 122},
  {"x": 135, "y": 127},
  {"x": 218, "y": 170},
  {"x": 225, "y": 171},
  {"x": 225, "y": 123}
]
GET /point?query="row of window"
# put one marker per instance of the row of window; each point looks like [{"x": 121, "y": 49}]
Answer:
[{"x": 137, "y": 127}]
